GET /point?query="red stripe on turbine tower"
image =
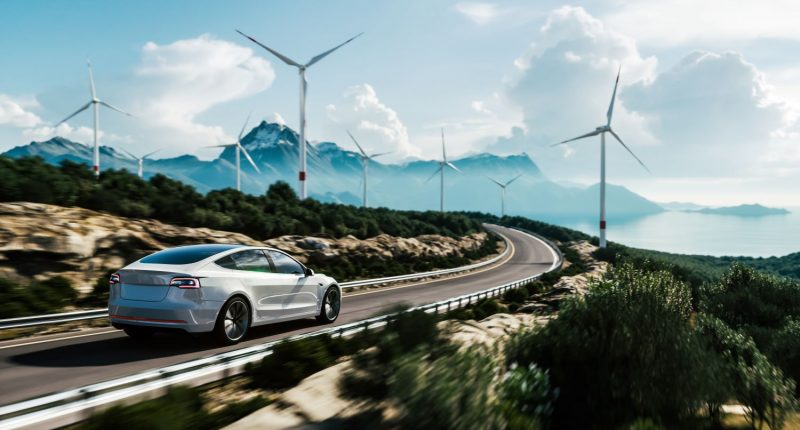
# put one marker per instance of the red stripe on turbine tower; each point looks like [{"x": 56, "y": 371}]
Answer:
[
  {"x": 302, "y": 176},
  {"x": 603, "y": 225}
]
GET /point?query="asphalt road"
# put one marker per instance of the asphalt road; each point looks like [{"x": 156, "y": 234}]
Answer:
[{"x": 46, "y": 364}]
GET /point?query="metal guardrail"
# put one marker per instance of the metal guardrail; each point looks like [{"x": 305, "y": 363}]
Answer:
[
  {"x": 72, "y": 406},
  {"x": 59, "y": 318}
]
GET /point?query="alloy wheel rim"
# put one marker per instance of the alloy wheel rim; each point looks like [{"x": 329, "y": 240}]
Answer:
[
  {"x": 236, "y": 320},
  {"x": 332, "y": 304}
]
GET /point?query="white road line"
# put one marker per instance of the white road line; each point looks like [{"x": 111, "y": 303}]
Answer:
[{"x": 57, "y": 339}]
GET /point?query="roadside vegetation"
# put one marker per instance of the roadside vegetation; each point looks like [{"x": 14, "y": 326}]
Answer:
[{"x": 275, "y": 213}]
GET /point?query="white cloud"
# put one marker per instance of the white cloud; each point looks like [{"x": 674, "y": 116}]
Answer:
[
  {"x": 80, "y": 134},
  {"x": 564, "y": 85},
  {"x": 185, "y": 78},
  {"x": 366, "y": 116},
  {"x": 715, "y": 113},
  {"x": 13, "y": 111},
  {"x": 676, "y": 22},
  {"x": 478, "y": 12}
]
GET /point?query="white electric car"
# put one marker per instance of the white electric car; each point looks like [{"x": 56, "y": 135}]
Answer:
[{"x": 224, "y": 289}]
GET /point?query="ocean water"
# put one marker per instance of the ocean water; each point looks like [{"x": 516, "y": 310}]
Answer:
[{"x": 696, "y": 233}]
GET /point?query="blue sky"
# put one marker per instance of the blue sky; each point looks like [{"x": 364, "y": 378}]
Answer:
[{"x": 709, "y": 94}]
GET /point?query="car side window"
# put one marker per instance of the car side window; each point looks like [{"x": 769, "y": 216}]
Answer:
[
  {"x": 285, "y": 264},
  {"x": 252, "y": 260},
  {"x": 227, "y": 262}
]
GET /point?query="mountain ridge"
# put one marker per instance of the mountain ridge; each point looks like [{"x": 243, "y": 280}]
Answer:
[{"x": 336, "y": 175}]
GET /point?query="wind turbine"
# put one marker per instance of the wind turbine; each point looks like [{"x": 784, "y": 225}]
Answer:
[
  {"x": 140, "y": 160},
  {"x": 239, "y": 150},
  {"x": 503, "y": 193},
  {"x": 602, "y": 130},
  {"x": 365, "y": 162},
  {"x": 95, "y": 102},
  {"x": 303, "y": 86},
  {"x": 442, "y": 164}
]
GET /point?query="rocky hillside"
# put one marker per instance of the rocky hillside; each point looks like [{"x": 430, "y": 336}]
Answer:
[{"x": 39, "y": 241}]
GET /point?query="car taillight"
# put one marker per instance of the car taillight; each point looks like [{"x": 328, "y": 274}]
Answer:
[
  {"x": 114, "y": 279},
  {"x": 185, "y": 283}
]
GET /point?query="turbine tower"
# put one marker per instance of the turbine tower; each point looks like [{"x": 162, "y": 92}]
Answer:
[
  {"x": 303, "y": 86},
  {"x": 95, "y": 103},
  {"x": 140, "y": 160},
  {"x": 442, "y": 164},
  {"x": 602, "y": 130},
  {"x": 365, "y": 162},
  {"x": 503, "y": 193},
  {"x": 239, "y": 150}
]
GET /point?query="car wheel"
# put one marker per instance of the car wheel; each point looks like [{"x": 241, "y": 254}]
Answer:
[
  {"x": 139, "y": 332},
  {"x": 331, "y": 304},
  {"x": 233, "y": 321}
]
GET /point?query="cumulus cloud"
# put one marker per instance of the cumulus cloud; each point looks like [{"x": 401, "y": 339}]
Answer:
[
  {"x": 478, "y": 12},
  {"x": 363, "y": 113},
  {"x": 716, "y": 110},
  {"x": 676, "y": 22},
  {"x": 185, "y": 78},
  {"x": 563, "y": 87},
  {"x": 14, "y": 111},
  {"x": 708, "y": 115}
]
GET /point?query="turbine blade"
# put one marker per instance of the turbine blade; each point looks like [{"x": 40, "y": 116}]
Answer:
[
  {"x": 356, "y": 142},
  {"x": 444, "y": 153},
  {"x": 247, "y": 156},
  {"x": 441, "y": 166},
  {"x": 147, "y": 155},
  {"x": 116, "y": 109},
  {"x": 613, "y": 97},
  {"x": 243, "y": 127},
  {"x": 326, "y": 53},
  {"x": 498, "y": 183},
  {"x": 629, "y": 150},
  {"x": 453, "y": 166},
  {"x": 380, "y": 154},
  {"x": 83, "y": 108},
  {"x": 517, "y": 177},
  {"x": 282, "y": 57},
  {"x": 91, "y": 79},
  {"x": 219, "y": 146},
  {"x": 590, "y": 134},
  {"x": 129, "y": 154}
]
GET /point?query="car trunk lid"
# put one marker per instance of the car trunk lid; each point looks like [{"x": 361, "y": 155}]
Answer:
[{"x": 146, "y": 285}]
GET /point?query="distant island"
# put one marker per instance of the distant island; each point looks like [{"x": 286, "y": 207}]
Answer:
[{"x": 744, "y": 210}]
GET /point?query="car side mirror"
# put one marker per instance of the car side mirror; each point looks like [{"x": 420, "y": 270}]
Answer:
[{"x": 309, "y": 271}]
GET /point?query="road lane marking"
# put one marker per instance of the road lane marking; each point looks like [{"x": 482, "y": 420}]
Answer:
[
  {"x": 57, "y": 339},
  {"x": 378, "y": 290}
]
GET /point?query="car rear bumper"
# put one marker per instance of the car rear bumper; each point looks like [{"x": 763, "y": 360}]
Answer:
[{"x": 195, "y": 317}]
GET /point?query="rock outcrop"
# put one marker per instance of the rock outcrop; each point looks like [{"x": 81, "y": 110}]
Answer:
[{"x": 40, "y": 241}]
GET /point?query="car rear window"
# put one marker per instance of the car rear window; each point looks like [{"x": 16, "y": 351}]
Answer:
[{"x": 185, "y": 254}]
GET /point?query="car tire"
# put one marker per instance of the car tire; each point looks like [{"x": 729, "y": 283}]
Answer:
[
  {"x": 233, "y": 321},
  {"x": 139, "y": 332},
  {"x": 331, "y": 305}
]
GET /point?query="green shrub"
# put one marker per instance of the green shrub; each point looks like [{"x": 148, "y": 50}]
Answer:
[
  {"x": 292, "y": 361},
  {"x": 624, "y": 351},
  {"x": 181, "y": 408},
  {"x": 407, "y": 333},
  {"x": 525, "y": 397},
  {"x": 451, "y": 392},
  {"x": 37, "y": 297},
  {"x": 745, "y": 374}
]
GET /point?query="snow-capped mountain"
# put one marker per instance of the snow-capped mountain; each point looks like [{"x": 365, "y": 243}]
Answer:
[{"x": 335, "y": 175}]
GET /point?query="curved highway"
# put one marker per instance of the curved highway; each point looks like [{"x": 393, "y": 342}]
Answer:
[{"x": 37, "y": 366}]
